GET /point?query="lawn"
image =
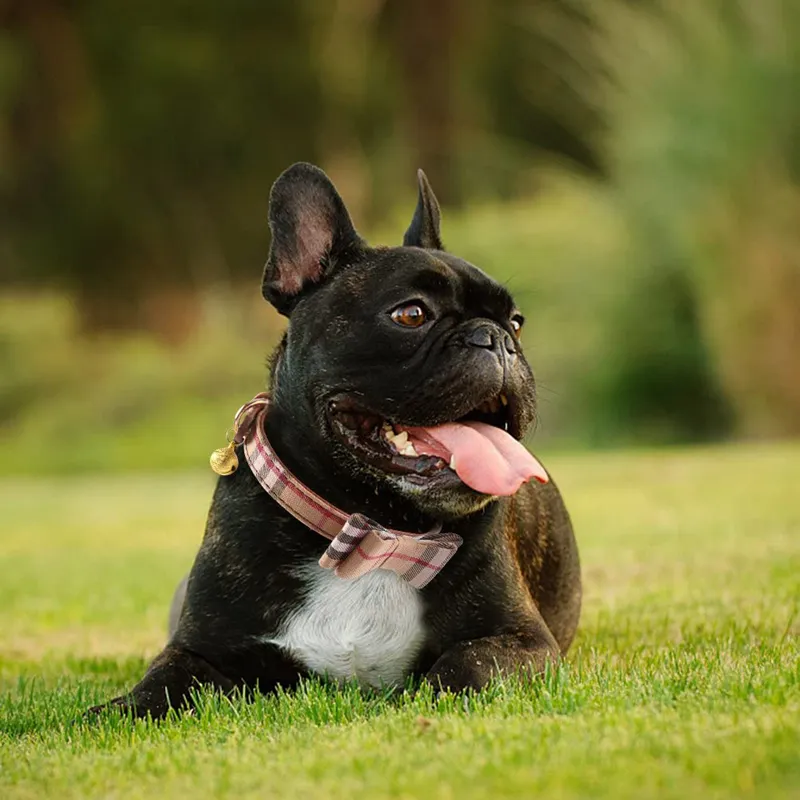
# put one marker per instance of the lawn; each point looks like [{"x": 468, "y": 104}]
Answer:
[{"x": 684, "y": 680}]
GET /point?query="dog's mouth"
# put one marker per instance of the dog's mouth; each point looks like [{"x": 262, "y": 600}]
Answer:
[{"x": 479, "y": 448}]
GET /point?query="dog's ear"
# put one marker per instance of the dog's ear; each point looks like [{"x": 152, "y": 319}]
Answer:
[
  {"x": 311, "y": 230},
  {"x": 424, "y": 228}
]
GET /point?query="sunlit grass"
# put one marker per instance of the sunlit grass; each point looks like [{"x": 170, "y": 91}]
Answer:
[{"x": 684, "y": 680}]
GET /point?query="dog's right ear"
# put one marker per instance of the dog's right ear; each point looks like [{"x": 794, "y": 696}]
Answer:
[
  {"x": 311, "y": 232},
  {"x": 424, "y": 230}
]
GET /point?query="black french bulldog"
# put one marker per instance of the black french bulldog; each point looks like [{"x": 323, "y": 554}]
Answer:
[{"x": 380, "y": 341}]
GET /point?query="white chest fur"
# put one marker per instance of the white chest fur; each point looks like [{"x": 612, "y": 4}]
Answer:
[{"x": 369, "y": 628}]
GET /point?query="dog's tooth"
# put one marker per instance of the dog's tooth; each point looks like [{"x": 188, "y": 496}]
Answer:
[
  {"x": 453, "y": 462},
  {"x": 504, "y": 399},
  {"x": 389, "y": 434},
  {"x": 401, "y": 440},
  {"x": 409, "y": 450}
]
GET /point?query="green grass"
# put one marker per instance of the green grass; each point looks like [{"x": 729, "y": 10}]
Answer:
[{"x": 684, "y": 680}]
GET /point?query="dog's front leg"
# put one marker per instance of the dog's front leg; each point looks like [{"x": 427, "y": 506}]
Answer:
[
  {"x": 472, "y": 664},
  {"x": 167, "y": 684}
]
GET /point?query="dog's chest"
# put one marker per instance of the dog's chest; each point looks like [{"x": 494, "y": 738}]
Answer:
[{"x": 369, "y": 629}]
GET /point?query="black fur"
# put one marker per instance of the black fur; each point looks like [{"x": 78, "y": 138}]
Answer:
[
  {"x": 509, "y": 600},
  {"x": 424, "y": 228}
]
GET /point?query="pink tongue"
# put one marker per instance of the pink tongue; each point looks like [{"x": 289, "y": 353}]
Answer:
[{"x": 487, "y": 459}]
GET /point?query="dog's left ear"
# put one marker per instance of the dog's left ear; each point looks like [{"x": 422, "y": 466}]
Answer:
[
  {"x": 424, "y": 228},
  {"x": 311, "y": 231}
]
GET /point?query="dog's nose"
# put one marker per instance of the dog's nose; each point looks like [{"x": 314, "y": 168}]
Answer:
[{"x": 491, "y": 337}]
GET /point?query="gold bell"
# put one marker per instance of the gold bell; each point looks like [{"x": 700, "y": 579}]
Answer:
[{"x": 224, "y": 460}]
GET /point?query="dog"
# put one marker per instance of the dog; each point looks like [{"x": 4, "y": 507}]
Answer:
[{"x": 397, "y": 399}]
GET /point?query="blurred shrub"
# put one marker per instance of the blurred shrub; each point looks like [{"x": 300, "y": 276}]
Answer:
[
  {"x": 657, "y": 255},
  {"x": 663, "y": 301},
  {"x": 704, "y": 143},
  {"x": 655, "y": 382},
  {"x": 68, "y": 403}
]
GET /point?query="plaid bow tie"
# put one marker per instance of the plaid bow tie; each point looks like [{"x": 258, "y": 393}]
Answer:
[{"x": 358, "y": 544}]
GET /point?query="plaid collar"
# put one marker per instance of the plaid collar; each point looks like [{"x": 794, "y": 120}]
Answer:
[{"x": 358, "y": 544}]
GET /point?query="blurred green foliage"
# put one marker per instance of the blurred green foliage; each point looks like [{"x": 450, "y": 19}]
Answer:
[
  {"x": 129, "y": 400},
  {"x": 631, "y": 169},
  {"x": 704, "y": 145}
]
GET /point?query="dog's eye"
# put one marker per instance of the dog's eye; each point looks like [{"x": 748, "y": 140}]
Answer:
[
  {"x": 517, "y": 321},
  {"x": 410, "y": 316}
]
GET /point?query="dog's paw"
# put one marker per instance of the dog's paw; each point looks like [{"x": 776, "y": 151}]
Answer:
[
  {"x": 119, "y": 706},
  {"x": 458, "y": 676}
]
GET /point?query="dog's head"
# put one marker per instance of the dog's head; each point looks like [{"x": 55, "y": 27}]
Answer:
[{"x": 403, "y": 365}]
